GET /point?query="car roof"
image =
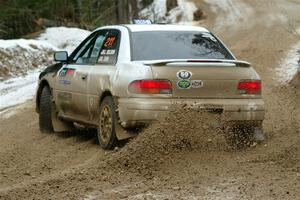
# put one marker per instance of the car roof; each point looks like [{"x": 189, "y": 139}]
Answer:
[{"x": 158, "y": 27}]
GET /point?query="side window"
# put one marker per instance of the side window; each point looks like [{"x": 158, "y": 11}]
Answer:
[
  {"x": 110, "y": 48},
  {"x": 79, "y": 50},
  {"x": 83, "y": 58},
  {"x": 89, "y": 52}
]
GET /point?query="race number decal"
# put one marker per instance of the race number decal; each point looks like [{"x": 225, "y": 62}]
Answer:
[
  {"x": 184, "y": 74},
  {"x": 110, "y": 41}
]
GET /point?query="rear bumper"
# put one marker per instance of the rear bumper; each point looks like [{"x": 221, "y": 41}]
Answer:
[{"x": 135, "y": 110}]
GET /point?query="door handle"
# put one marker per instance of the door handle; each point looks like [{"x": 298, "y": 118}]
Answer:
[{"x": 84, "y": 76}]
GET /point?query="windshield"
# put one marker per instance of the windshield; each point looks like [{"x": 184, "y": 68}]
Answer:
[{"x": 161, "y": 45}]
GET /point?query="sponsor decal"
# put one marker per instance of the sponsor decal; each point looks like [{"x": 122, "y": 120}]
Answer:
[
  {"x": 91, "y": 102},
  {"x": 64, "y": 82},
  {"x": 103, "y": 52},
  {"x": 183, "y": 74},
  {"x": 105, "y": 59},
  {"x": 111, "y": 52},
  {"x": 63, "y": 72},
  {"x": 196, "y": 83},
  {"x": 184, "y": 84},
  {"x": 100, "y": 59},
  {"x": 66, "y": 71},
  {"x": 70, "y": 71}
]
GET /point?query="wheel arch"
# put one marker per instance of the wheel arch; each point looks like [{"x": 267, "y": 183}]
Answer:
[{"x": 105, "y": 94}]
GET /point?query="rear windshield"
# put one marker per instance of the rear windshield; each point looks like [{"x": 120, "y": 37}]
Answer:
[{"x": 160, "y": 45}]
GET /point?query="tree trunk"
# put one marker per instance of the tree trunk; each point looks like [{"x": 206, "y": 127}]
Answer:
[
  {"x": 122, "y": 8},
  {"x": 77, "y": 10},
  {"x": 134, "y": 11}
]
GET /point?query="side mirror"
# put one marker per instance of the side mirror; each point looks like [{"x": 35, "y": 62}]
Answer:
[{"x": 61, "y": 56}]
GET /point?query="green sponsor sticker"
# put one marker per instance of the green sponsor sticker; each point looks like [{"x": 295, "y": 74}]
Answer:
[{"x": 184, "y": 84}]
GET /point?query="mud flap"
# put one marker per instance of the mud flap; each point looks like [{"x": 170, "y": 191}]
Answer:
[
  {"x": 122, "y": 134},
  {"x": 59, "y": 125}
]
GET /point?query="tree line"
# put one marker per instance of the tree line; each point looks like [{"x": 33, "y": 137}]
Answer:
[{"x": 22, "y": 17}]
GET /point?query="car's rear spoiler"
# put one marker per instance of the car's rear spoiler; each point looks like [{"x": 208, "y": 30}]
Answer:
[{"x": 194, "y": 62}]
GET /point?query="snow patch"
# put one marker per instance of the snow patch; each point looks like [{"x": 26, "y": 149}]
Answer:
[
  {"x": 33, "y": 45},
  {"x": 156, "y": 11},
  {"x": 289, "y": 66},
  {"x": 5, "y": 114},
  {"x": 182, "y": 14},
  {"x": 64, "y": 38},
  {"x": 18, "y": 90},
  {"x": 185, "y": 12},
  {"x": 231, "y": 13}
]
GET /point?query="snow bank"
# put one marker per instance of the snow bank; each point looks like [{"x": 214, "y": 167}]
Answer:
[
  {"x": 231, "y": 13},
  {"x": 25, "y": 58},
  {"x": 182, "y": 14},
  {"x": 26, "y": 44},
  {"x": 64, "y": 38},
  {"x": 17, "y": 57}
]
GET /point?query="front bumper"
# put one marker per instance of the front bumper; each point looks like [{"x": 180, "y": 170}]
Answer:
[{"x": 135, "y": 110}]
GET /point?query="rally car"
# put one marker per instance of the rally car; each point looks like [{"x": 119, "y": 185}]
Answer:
[{"x": 126, "y": 76}]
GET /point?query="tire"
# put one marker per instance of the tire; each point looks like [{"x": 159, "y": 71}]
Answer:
[
  {"x": 45, "y": 105},
  {"x": 240, "y": 136},
  {"x": 106, "y": 131}
]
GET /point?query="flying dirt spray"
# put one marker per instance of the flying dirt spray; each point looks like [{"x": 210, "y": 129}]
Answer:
[{"x": 186, "y": 128}]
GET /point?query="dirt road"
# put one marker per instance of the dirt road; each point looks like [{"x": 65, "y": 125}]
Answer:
[{"x": 72, "y": 166}]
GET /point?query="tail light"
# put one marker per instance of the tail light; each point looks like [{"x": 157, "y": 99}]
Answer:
[
  {"x": 249, "y": 87},
  {"x": 151, "y": 87}
]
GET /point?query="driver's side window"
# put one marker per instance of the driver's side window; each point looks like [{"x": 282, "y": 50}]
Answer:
[{"x": 90, "y": 50}]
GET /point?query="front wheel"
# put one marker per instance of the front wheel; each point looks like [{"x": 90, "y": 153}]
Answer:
[
  {"x": 106, "y": 131},
  {"x": 45, "y": 111}
]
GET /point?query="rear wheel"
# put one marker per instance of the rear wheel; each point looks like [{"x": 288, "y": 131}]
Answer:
[
  {"x": 45, "y": 109},
  {"x": 106, "y": 131}
]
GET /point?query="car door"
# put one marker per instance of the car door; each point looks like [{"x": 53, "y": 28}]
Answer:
[
  {"x": 72, "y": 80},
  {"x": 101, "y": 74}
]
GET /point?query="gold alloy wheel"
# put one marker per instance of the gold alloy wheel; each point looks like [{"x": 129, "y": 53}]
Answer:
[{"x": 106, "y": 124}]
